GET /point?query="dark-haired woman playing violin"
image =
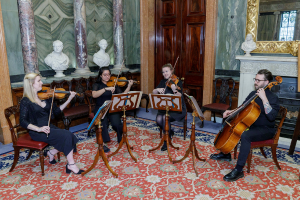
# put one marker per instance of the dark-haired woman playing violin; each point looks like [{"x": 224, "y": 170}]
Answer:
[
  {"x": 167, "y": 71},
  {"x": 34, "y": 115},
  {"x": 102, "y": 93}
]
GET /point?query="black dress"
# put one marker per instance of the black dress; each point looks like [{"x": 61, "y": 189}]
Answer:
[
  {"x": 31, "y": 113},
  {"x": 178, "y": 116},
  {"x": 114, "y": 118}
]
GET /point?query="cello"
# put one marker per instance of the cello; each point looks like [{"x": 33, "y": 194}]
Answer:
[{"x": 239, "y": 121}]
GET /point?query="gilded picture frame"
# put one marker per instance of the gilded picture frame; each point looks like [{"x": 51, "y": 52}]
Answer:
[{"x": 289, "y": 47}]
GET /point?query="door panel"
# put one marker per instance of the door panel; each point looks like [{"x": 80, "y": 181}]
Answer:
[{"x": 180, "y": 28}]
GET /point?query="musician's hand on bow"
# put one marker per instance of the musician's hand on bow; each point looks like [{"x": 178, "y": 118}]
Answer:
[
  {"x": 112, "y": 89},
  {"x": 173, "y": 87},
  {"x": 44, "y": 129},
  {"x": 227, "y": 113},
  {"x": 161, "y": 90},
  {"x": 262, "y": 94}
]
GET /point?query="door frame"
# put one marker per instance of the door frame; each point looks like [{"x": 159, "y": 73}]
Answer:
[{"x": 147, "y": 21}]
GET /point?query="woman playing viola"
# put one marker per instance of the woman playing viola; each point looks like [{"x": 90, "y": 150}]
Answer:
[
  {"x": 167, "y": 71},
  {"x": 102, "y": 93},
  {"x": 34, "y": 114}
]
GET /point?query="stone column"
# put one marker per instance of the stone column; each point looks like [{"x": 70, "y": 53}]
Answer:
[
  {"x": 29, "y": 50},
  {"x": 118, "y": 36},
  {"x": 80, "y": 37}
]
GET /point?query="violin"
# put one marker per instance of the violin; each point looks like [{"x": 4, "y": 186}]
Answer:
[
  {"x": 122, "y": 81},
  {"x": 47, "y": 93},
  {"x": 173, "y": 80}
]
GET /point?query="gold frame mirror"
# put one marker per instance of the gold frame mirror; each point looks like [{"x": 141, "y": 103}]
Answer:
[{"x": 290, "y": 47}]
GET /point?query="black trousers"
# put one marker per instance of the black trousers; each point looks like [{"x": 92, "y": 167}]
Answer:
[
  {"x": 254, "y": 134},
  {"x": 115, "y": 120}
]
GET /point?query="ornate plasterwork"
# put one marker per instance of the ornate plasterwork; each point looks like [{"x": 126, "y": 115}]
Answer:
[{"x": 290, "y": 47}]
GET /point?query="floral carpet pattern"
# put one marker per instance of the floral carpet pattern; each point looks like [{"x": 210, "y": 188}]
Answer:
[{"x": 153, "y": 176}]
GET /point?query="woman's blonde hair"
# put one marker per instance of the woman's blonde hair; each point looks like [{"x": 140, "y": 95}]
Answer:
[
  {"x": 168, "y": 65},
  {"x": 28, "y": 90}
]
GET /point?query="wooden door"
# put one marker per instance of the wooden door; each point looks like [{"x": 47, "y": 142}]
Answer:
[{"x": 180, "y": 28}]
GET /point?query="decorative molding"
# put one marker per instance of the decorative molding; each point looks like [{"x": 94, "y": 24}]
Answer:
[{"x": 289, "y": 47}]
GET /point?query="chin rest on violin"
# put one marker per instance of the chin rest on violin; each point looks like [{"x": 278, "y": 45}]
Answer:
[{"x": 122, "y": 81}]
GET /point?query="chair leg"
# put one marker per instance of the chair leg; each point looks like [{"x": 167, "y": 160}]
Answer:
[
  {"x": 29, "y": 155},
  {"x": 275, "y": 156},
  {"x": 16, "y": 158},
  {"x": 67, "y": 122},
  {"x": 262, "y": 151},
  {"x": 160, "y": 132},
  {"x": 42, "y": 162},
  {"x": 147, "y": 104},
  {"x": 58, "y": 156},
  {"x": 215, "y": 117},
  {"x": 249, "y": 161},
  {"x": 184, "y": 127},
  {"x": 235, "y": 151},
  {"x": 134, "y": 113}
]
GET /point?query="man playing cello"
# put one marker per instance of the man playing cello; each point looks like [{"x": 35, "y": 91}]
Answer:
[{"x": 262, "y": 129}]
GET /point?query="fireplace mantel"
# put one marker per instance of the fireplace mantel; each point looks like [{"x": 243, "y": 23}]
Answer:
[{"x": 250, "y": 65}]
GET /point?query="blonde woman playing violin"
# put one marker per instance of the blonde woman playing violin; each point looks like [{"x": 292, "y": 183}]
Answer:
[{"x": 167, "y": 71}]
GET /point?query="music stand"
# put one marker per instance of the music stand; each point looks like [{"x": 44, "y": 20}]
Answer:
[
  {"x": 168, "y": 103},
  {"x": 123, "y": 102},
  {"x": 100, "y": 152},
  {"x": 192, "y": 147}
]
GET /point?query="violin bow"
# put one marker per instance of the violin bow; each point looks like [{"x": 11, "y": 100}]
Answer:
[
  {"x": 51, "y": 109},
  {"x": 170, "y": 78},
  {"x": 119, "y": 74}
]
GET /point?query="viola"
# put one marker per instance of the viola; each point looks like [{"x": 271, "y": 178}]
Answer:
[
  {"x": 122, "y": 81},
  {"x": 47, "y": 93}
]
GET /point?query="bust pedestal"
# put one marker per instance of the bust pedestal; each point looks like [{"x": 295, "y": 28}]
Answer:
[{"x": 59, "y": 73}]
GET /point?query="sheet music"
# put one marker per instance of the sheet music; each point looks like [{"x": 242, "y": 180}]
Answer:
[
  {"x": 101, "y": 111},
  {"x": 119, "y": 100},
  {"x": 195, "y": 106}
]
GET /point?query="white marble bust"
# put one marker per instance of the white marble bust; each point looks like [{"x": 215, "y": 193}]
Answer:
[
  {"x": 249, "y": 45},
  {"x": 57, "y": 60},
  {"x": 101, "y": 58}
]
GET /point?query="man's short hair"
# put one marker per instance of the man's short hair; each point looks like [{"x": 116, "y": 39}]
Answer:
[{"x": 267, "y": 73}]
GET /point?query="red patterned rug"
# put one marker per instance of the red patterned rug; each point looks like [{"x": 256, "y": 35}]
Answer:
[{"x": 153, "y": 176}]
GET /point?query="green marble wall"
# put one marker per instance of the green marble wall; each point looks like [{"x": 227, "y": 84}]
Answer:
[
  {"x": 54, "y": 21},
  {"x": 231, "y": 27}
]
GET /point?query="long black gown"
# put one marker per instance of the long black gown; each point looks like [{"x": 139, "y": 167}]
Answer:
[{"x": 31, "y": 113}]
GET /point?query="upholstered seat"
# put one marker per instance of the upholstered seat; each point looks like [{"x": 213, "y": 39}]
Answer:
[{"x": 23, "y": 141}]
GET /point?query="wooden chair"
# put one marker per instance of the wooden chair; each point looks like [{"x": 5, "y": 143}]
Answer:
[
  {"x": 24, "y": 141},
  {"x": 273, "y": 143},
  {"x": 222, "y": 95}
]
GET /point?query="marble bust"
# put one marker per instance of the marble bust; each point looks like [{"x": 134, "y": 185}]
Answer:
[
  {"x": 57, "y": 60},
  {"x": 249, "y": 45},
  {"x": 101, "y": 58}
]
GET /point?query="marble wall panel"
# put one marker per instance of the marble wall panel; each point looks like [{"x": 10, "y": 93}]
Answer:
[
  {"x": 131, "y": 10},
  {"x": 131, "y": 43},
  {"x": 231, "y": 29}
]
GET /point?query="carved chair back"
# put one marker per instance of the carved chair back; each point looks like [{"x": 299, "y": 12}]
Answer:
[
  {"x": 224, "y": 90},
  {"x": 13, "y": 114}
]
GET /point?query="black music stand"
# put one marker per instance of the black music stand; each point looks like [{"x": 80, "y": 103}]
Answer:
[
  {"x": 168, "y": 103},
  {"x": 123, "y": 102},
  {"x": 100, "y": 152},
  {"x": 192, "y": 147}
]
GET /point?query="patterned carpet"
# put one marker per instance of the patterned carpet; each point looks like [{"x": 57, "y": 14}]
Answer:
[{"x": 153, "y": 176}]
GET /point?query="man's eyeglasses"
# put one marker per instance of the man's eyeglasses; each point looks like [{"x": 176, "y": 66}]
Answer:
[{"x": 257, "y": 80}]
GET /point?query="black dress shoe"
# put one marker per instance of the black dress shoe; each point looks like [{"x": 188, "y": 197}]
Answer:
[
  {"x": 52, "y": 161},
  {"x": 68, "y": 171},
  {"x": 233, "y": 175},
  {"x": 221, "y": 156},
  {"x": 106, "y": 149},
  {"x": 164, "y": 147}
]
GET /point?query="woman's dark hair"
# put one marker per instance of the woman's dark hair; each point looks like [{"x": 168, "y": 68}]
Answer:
[
  {"x": 267, "y": 73},
  {"x": 101, "y": 70}
]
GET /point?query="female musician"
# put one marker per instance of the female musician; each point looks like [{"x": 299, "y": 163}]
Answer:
[
  {"x": 102, "y": 93},
  {"x": 167, "y": 71},
  {"x": 262, "y": 129},
  {"x": 34, "y": 115}
]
